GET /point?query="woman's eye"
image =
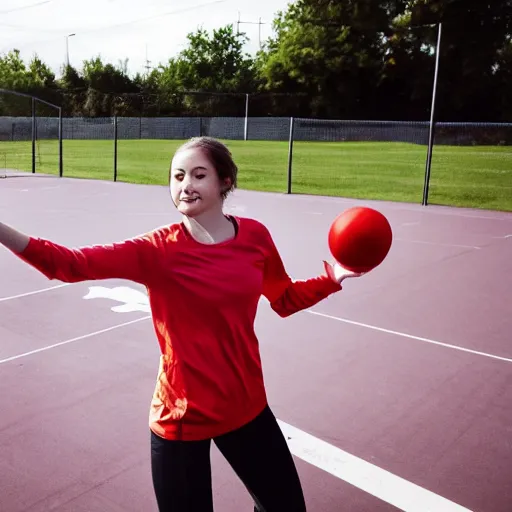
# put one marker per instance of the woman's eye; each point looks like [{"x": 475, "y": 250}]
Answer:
[
  {"x": 178, "y": 177},
  {"x": 200, "y": 176}
]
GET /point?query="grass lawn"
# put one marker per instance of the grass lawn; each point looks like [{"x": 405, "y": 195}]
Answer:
[{"x": 476, "y": 176}]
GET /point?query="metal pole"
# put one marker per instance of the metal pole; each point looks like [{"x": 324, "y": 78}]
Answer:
[
  {"x": 67, "y": 48},
  {"x": 246, "y": 126},
  {"x": 115, "y": 148},
  {"x": 7, "y": 91},
  {"x": 432, "y": 122},
  {"x": 33, "y": 135},
  {"x": 290, "y": 156},
  {"x": 60, "y": 144}
]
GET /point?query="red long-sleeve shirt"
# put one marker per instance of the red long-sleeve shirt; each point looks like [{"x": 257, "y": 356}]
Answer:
[{"x": 203, "y": 300}]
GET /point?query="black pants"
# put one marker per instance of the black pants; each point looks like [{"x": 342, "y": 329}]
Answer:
[{"x": 258, "y": 454}]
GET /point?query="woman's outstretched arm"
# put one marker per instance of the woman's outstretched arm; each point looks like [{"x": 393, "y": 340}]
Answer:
[{"x": 130, "y": 259}]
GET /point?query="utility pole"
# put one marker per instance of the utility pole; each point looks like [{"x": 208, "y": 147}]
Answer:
[
  {"x": 148, "y": 62},
  {"x": 259, "y": 23}
]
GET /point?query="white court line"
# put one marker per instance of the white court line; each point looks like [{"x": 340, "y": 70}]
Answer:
[
  {"x": 78, "y": 338},
  {"x": 410, "y": 336},
  {"x": 376, "y": 481},
  {"x": 3, "y": 299},
  {"x": 332, "y": 317}
]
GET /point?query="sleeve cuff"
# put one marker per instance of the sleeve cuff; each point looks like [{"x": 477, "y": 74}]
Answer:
[{"x": 30, "y": 249}]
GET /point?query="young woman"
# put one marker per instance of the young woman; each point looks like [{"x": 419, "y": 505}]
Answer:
[{"x": 204, "y": 277}]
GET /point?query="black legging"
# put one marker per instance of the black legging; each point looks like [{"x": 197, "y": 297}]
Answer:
[{"x": 257, "y": 452}]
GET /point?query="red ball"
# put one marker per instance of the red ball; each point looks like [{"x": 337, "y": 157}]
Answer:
[{"x": 360, "y": 239}]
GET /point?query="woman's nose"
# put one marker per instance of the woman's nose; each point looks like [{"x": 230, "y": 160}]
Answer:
[{"x": 187, "y": 184}]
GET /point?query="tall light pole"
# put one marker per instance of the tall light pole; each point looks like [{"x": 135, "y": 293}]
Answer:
[{"x": 67, "y": 48}]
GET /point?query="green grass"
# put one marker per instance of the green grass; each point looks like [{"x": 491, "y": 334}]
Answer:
[{"x": 477, "y": 176}]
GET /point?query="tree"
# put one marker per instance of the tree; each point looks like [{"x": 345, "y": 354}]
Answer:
[
  {"x": 216, "y": 62},
  {"x": 73, "y": 88},
  {"x": 503, "y": 76},
  {"x": 404, "y": 90},
  {"x": 107, "y": 87},
  {"x": 375, "y": 58},
  {"x": 209, "y": 64},
  {"x": 35, "y": 79},
  {"x": 13, "y": 72},
  {"x": 332, "y": 51},
  {"x": 475, "y": 33}
]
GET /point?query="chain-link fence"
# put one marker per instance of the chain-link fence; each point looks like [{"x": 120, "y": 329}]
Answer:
[
  {"x": 471, "y": 162},
  {"x": 370, "y": 159},
  {"x": 30, "y": 138},
  {"x": 16, "y": 133},
  {"x": 472, "y": 165}
]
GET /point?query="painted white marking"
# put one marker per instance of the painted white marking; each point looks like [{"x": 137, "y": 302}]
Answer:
[
  {"x": 436, "y": 243},
  {"x": 315, "y": 213},
  {"x": 376, "y": 481},
  {"x": 131, "y": 299},
  {"x": 507, "y": 236},
  {"x": 72, "y": 340},
  {"x": 410, "y": 336},
  {"x": 12, "y": 297}
]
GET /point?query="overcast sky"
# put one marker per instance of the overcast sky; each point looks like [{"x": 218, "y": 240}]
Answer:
[{"x": 122, "y": 29}]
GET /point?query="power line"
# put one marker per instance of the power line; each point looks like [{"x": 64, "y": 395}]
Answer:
[
  {"x": 117, "y": 25},
  {"x": 161, "y": 15},
  {"x": 29, "y": 29},
  {"x": 259, "y": 23},
  {"x": 25, "y": 7}
]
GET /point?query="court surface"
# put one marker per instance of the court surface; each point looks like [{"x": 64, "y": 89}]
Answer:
[{"x": 394, "y": 394}]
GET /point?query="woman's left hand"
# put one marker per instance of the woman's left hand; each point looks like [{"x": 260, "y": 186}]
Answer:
[{"x": 337, "y": 273}]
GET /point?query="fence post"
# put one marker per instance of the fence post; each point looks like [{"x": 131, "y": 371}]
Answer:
[
  {"x": 115, "y": 147},
  {"x": 290, "y": 156},
  {"x": 61, "y": 170},
  {"x": 33, "y": 135},
  {"x": 432, "y": 122},
  {"x": 246, "y": 116}
]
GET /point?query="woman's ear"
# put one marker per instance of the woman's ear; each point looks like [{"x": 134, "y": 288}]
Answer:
[{"x": 226, "y": 184}]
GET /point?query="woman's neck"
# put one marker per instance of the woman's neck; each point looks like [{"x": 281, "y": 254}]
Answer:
[{"x": 210, "y": 228}]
